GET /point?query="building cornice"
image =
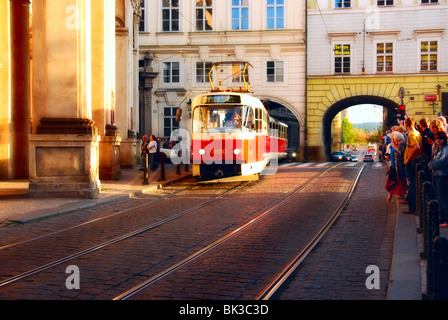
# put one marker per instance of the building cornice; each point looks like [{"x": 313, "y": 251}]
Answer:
[
  {"x": 342, "y": 34},
  {"x": 429, "y": 30},
  {"x": 384, "y": 32}
]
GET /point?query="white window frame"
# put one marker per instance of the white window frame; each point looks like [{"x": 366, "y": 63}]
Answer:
[
  {"x": 343, "y": 2},
  {"x": 239, "y": 77},
  {"x": 143, "y": 17},
  {"x": 162, "y": 8},
  {"x": 375, "y": 44},
  {"x": 171, "y": 72},
  {"x": 275, "y": 75},
  {"x": 239, "y": 7},
  {"x": 385, "y": 4},
  {"x": 172, "y": 118},
  {"x": 420, "y": 40},
  {"x": 204, "y": 69},
  {"x": 333, "y": 55},
  {"x": 204, "y": 8},
  {"x": 276, "y": 6}
]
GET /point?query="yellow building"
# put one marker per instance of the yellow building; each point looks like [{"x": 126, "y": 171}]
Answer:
[
  {"x": 368, "y": 52},
  {"x": 327, "y": 96}
]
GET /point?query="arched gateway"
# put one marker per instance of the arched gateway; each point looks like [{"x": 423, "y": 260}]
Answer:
[
  {"x": 388, "y": 112},
  {"x": 286, "y": 113},
  {"x": 326, "y": 96}
]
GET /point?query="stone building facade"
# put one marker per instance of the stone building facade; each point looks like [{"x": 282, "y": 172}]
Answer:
[
  {"x": 383, "y": 52},
  {"x": 68, "y": 91},
  {"x": 180, "y": 39}
]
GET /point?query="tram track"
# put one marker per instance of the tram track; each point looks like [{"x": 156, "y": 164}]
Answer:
[
  {"x": 112, "y": 241},
  {"x": 132, "y": 208},
  {"x": 273, "y": 289},
  {"x": 183, "y": 262},
  {"x": 161, "y": 275}
]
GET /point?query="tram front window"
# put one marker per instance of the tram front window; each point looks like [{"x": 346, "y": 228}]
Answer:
[{"x": 237, "y": 118}]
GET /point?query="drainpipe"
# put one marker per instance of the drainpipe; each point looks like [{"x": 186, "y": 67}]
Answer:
[{"x": 306, "y": 155}]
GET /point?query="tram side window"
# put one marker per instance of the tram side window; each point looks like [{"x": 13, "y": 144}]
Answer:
[
  {"x": 274, "y": 131},
  {"x": 258, "y": 120}
]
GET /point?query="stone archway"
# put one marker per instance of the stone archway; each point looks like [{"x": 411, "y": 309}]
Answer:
[
  {"x": 287, "y": 114},
  {"x": 388, "y": 119}
]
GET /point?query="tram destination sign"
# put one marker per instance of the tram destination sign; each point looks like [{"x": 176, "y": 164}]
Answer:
[{"x": 221, "y": 98}]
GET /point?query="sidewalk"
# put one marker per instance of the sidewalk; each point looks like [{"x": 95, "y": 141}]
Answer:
[
  {"x": 408, "y": 271},
  {"x": 17, "y": 206}
]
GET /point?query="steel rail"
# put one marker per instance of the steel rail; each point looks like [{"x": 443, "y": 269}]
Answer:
[
  {"x": 143, "y": 285},
  {"x": 7, "y": 246},
  {"x": 272, "y": 289},
  {"x": 116, "y": 240}
]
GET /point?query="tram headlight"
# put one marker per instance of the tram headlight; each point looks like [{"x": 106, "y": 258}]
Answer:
[
  {"x": 236, "y": 151},
  {"x": 201, "y": 152}
]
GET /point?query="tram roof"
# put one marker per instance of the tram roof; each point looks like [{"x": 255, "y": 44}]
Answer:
[
  {"x": 245, "y": 98},
  {"x": 271, "y": 119}
]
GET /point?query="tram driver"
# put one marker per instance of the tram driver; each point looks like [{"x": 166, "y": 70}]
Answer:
[{"x": 233, "y": 120}]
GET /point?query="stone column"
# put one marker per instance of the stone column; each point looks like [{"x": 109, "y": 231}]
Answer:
[
  {"x": 126, "y": 119},
  {"x": 64, "y": 144},
  {"x": 103, "y": 87},
  {"x": 14, "y": 89}
]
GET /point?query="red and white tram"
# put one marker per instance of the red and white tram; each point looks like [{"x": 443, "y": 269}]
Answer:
[{"x": 233, "y": 137}]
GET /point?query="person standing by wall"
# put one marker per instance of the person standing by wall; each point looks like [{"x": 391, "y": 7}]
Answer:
[
  {"x": 427, "y": 135},
  {"x": 439, "y": 167},
  {"x": 144, "y": 150},
  {"x": 412, "y": 155},
  {"x": 152, "y": 151}
]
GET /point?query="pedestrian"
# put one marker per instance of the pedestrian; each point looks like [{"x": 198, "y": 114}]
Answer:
[
  {"x": 402, "y": 130},
  {"x": 400, "y": 148},
  {"x": 439, "y": 167},
  {"x": 380, "y": 151},
  {"x": 435, "y": 126},
  {"x": 391, "y": 172},
  {"x": 152, "y": 152},
  {"x": 144, "y": 151},
  {"x": 412, "y": 155},
  {"x": 387, "y": 138},
  {"x": 427, "y": 135},
  {"x": 399, "y": 186},
  {"x": 401, "y": 168},
  {"x": 443, "y": 120},
  {"x": 390, "y": 162}
]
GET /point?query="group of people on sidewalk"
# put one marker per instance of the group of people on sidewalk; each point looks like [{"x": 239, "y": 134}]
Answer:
[
  {"x": 151, "y": 149},
  {"x": 404, "y": 148}
]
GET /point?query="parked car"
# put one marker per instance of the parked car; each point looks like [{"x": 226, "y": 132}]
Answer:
[
  {"x": 369, "y": 157},
  {"x": 291, "y": 154},
  {"x": 167, "y": 147},
  {"x": 338, "y": 156}
]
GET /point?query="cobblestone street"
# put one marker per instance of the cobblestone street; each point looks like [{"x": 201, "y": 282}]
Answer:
[{"x": 363, "y": 236}]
